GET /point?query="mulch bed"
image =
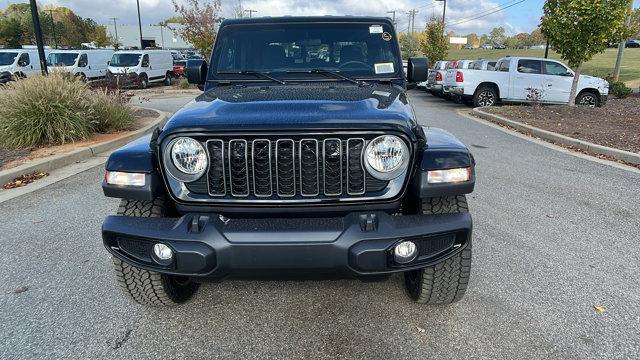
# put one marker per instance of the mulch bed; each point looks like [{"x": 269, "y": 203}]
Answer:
[
  {"x": 10, "y": 155},
  {"x": 616, "y": 125}
]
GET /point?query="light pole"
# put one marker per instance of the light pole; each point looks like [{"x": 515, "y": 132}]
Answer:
[
  {"x": 115, "y": 27},
  {"x": 140, "y": 25},
  {"x": 38, "y": 33}
]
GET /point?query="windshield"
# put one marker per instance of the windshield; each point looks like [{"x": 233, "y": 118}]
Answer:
[
  {"x": 62, "y": 59},
  {"x": 361, "y": 50},
  {"x": 122, "y": 60},
  {"x": 7, "y": 58}
]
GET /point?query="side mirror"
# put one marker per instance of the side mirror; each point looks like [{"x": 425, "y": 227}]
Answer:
[
  {"x": 196, "y": 71},
  {"x": 418, "y": 69}
]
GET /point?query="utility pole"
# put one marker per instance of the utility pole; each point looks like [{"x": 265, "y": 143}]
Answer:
[
  {"x": 412, "y": 20},
  {"x": 37, "y": 30},
  {"x": 251, "y": 12},
  {"x": 115, "y": 26},
  {"x": 444, "y": 13},
  {"x": 140, "y": 25},
  {"x": 53, "y": 28},
  {"x": 394, "y": 16},
  {"x": 621, "y": 46}
]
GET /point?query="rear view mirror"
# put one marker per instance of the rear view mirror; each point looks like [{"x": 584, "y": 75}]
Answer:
[
  {"x": 417, "y": 69},
  {"x": 196, "y": 71}
]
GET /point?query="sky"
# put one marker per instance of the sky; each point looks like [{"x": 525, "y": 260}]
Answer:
[{"x": 462, "y": 16}]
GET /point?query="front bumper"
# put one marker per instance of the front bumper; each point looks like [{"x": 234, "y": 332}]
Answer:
[{"x": 356, "y": 245}]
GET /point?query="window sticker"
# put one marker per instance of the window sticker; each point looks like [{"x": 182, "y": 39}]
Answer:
[
  {"x": 386, "y": 36},
  {"x": 375, "y": 29},
  {"x": 384, "y": 68}
]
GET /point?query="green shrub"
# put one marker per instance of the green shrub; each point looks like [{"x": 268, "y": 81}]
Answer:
[
  {"x": 56, "y": 109},
  {"x": 184, "y": 84},
  {"x": 619, "y": 89},
  {"x": 112, "y": 112}
]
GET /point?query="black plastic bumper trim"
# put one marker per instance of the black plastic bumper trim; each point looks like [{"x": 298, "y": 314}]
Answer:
[{"x": 216, "y": 248}]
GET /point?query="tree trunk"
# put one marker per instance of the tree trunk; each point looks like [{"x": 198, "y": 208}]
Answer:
[{"x": 574, "y": 86}]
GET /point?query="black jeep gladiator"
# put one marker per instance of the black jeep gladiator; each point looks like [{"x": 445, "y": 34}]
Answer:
[{"x": 302, "y": 158}]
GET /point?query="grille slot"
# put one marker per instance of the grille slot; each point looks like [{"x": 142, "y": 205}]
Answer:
[{"x": 289, "y": 168}]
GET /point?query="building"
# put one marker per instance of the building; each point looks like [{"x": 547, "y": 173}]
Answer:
[{"x": 152, "y": 36}]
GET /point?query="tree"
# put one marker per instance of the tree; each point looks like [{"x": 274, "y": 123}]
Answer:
[
  {"x": 200, "y": 19},
  {"x": 100, "y": 37},
  {"x": 635, "y": 23},
  {"x": 537, "y": 38},
  {"x": 580, "y": 29},
  {"x": 432, "y": 43},
  {"x": 484, "y": 39},
  {"x": 473, "y": 39},
  {"x": 408, "y": 45},
  {"x": 172, "y": 20},
  {"x": 497, "y": 35}
]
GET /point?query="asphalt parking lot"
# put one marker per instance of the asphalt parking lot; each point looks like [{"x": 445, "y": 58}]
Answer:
[{"x": 554, "y": 236}]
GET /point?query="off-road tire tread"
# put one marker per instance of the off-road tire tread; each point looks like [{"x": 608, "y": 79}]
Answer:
[
  {"x": 143, "y": 286},
  {"x": 445, "y": 282}
]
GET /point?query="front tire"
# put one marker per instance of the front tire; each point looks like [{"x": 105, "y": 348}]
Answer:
[
  {"x": 143, "y": 82},
  {"x": 445, "y": 282},
  {"x": 148, "y": 287},
  {"x": 588, "y": 99}
]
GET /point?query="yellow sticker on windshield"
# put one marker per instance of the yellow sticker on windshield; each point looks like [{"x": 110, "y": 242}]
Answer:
[{"x": 384, "y": 68}]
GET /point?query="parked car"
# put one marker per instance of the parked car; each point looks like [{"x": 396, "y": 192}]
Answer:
[
  {"x": 141, "y": 67},
  {"x": 179, "y": 68},
  {"x": 435, "y": 78},
  {"x": 86, "y": 64},
  {"x": 489, "y": 65},
  {"x": 522, "y": 80},
  {"x": 296, "y": 171},
  {"x": 499, "y": 46},
  {"x": 19, "y": 63},
  {"x": 468, "y": 47},
  {"x": 486, "y": 47},
  {"x": 632, "y": 44}
]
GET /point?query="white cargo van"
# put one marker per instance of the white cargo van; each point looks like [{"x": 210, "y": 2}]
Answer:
[
  {"x": 87, "y": 64},
  {"x": 20, "y": 62},
  {"x": 143, "y": 66}
]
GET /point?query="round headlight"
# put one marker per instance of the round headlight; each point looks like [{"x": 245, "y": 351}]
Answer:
[
  {"x": 188, "y": 157},
  {"x": 386, "y": 157}
]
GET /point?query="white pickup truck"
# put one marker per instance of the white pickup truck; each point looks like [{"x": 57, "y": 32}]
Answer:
[{"x": 525, "y": 80}]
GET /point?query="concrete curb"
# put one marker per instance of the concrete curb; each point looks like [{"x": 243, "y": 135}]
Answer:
[
  {"x": 54, "y": 162},
  {"x": 623, "y": 155}
]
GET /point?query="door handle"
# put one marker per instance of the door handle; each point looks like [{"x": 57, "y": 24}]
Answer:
[{"x": 549, "y": 85}]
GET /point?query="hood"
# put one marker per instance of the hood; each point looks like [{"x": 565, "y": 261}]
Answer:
[
  {"x": 310, "y": 106},
  {"x": 5, "y": 68},
  {"x": 120, "y": 69}
]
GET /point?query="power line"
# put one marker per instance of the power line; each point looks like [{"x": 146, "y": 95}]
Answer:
[{"x": 485, "y": 13}]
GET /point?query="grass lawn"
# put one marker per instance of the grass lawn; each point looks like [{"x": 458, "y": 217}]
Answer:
[{"x": 601, "y": 65}]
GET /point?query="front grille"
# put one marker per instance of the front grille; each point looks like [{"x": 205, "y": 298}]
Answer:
[{"x": 287, "y": 168}]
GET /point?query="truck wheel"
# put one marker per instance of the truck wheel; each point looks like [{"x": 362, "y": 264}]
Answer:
[
  {"x": 167, "y": 79},
  {"x": 485, "y": 96},
  {"x": 148, "y": 287},
  {"x": 142, "y": 81},
  {"x": 588, "y": 99},
  {"x": 445, "y": 282}
]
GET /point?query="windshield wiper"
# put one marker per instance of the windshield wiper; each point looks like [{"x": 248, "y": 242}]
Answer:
[
  {"x": 254, "y": 72},
  {"x": 327, "y": 71}
]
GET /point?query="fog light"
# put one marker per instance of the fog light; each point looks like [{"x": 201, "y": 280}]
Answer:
[
  {"x": 162, "y": 252},
  {"x": 405, "y": 252}
]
